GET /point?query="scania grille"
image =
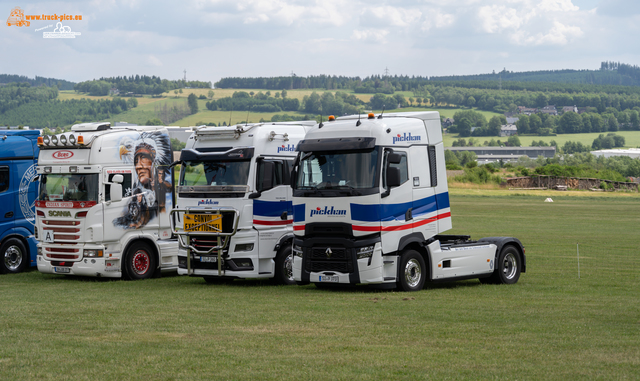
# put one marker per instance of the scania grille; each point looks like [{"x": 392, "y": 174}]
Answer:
[
  {"x": 329, "y": 259},
  {"x": 61, "y": 253},
  {"x": 63, "y": 231}
]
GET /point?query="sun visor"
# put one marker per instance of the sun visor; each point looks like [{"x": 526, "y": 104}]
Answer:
[
  {"x": 336, "y": 144},
  {"x": 241, "y": 153}
]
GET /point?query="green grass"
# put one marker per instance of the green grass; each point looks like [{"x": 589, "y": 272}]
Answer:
[{"x": 551, "y": 325}]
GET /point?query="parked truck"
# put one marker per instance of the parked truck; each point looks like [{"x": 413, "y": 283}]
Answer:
[
  {"x": 104, "y": 201},
  {"x": 370, "y": 201},
  {"x": 233, "y": 213},
  {"x": 18, "y": 157}
]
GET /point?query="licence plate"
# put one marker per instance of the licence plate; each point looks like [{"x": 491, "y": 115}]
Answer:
[
  {"x": 203, "y": 223},
  {"x": 61, "y": 270},
  {"x": 326, "y": 278},
  {"x": 209, "y": 259}
]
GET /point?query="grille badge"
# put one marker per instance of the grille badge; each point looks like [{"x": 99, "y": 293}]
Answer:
[{"x": 328, "y": 252}]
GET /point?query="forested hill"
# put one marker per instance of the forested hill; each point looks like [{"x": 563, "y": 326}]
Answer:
[
  {"x": 610, "y": 73},
  {"x": 61, "y": 84}
]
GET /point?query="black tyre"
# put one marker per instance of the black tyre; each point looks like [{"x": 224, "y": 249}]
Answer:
[
  {"x": 140, "y": 262},
  {"x": 412, "y": 273},
  {"x": 284, "y": 266},
  {"x": 507, "y": 269},
  {"x": 15, "y": 256}
]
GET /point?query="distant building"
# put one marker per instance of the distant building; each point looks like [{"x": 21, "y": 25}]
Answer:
[
  {"x": 551, "y": 110},
  {"x": 447, "y": 122},
  {"x": 512, "y": 120},
  {"x": 527, "y": 110},
  {"x": 492, "y": 154},
  {"x": 508, "y": 130},
  {"x": 569, "y": 108},
  {"x": 633, "y": 153},
  {"x": 14, "y": 128}
]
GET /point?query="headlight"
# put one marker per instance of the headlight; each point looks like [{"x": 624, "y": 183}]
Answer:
[
  {"x": 244, "y": 247},
  {"x": 365, "y": 252},
  {"x": 297, "y": 251},
  {"x": 93, "y": 253}
]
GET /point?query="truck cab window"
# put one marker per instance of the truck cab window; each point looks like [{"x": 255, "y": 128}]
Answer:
[
  {"x": 277, "y": 177},
  {"x": 4, "y": 179},
  {"x": 126, "y": 186},
  {"x": 402, "y": 166}
]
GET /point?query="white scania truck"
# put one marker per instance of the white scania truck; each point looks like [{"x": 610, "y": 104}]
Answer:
[
  {"x": 104, "y": 201},
  {"x": 370, "y": 199},
  {"x": 233, "y": 213}
]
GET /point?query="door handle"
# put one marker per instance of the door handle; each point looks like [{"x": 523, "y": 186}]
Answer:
[{"x": 8, "y": 215}]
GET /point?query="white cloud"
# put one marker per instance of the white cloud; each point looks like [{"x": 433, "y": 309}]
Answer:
[{"x": 370, "y": 35}]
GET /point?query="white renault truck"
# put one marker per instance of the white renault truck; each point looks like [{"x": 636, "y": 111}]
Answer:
[
  {"x": 370, "y": 201},
  {"x": 104, "y": 201},
  {"x": 233, "y": 213}
]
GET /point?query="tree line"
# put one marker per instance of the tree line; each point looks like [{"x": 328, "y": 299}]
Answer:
[
  {"x": 60, "y": 84},
  {"x": 136, "y": 85}
]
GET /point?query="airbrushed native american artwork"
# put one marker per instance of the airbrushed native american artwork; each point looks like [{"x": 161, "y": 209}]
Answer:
[{"x": 150, "y": 152}]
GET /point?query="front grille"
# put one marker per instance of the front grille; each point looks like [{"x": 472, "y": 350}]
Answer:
[
  {"x": 339, "y": 259},
  {"x": 205, "y": 243},
  {"x": 61, "y": 253},
  {"x": 60, "y": 227}
]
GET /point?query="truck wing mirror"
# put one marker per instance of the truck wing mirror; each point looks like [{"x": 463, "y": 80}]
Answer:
[
  {"x": 394, "y": 158},
  {"x": 116, "y": 191},
  {"x": 118, "y": 179},
  {"x": 393, "y": 177}
]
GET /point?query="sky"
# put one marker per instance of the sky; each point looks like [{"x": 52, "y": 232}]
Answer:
[{"x": 212, "y": 39}]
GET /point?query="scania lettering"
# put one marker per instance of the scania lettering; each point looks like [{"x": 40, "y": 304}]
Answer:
[
  {"x": 370, "y": 201},
  {"x": 18, "y": 190},
  {"x": 104, "y": 201},
  {"x": 233, "y": 212}
]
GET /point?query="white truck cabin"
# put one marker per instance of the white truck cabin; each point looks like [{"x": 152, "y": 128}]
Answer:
[
  {"x": 370, "y": 202},
  {"x": 104, "y": 201},
  {"x": 233, "y": 212}
]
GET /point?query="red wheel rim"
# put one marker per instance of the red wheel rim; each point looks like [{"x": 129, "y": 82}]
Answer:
[{"x": 141, "y": 262}]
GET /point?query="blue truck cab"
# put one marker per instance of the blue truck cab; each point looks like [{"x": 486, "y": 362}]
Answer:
[{"x": 18, "y": 191}]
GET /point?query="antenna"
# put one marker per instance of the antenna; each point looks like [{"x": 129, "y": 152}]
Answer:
[
  {"x": 247, "y": 121},
  {"x": 380, "y": 116},
  {"x": 185, "y": 75},
  {"x": 358, "y": 122},
  {"x": 230, "y": 115}
]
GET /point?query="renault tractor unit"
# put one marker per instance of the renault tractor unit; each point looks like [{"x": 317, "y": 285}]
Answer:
[
  {"x": 104, "y": 201},
  {"x": 233, "y": 213},
  {"x": 370, "y": 201}
]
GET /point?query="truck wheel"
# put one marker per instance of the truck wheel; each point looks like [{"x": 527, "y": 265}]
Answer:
[
  {"x": 507, "y": 269},
  {"x": 14, "y": 256},
  {"x": 412, "y": 272},
  {"x": 140, "y": 262},
  {"x": 284, "y": 266}
]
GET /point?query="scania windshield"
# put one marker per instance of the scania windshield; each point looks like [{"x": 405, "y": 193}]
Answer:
[
  {"x": 333, "y": 174},
  {"x": 197, "y": 173},
  {"x": 69, "y": 187}
]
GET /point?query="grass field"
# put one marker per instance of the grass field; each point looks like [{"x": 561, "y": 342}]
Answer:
[{"x": 560, "y": 321}]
